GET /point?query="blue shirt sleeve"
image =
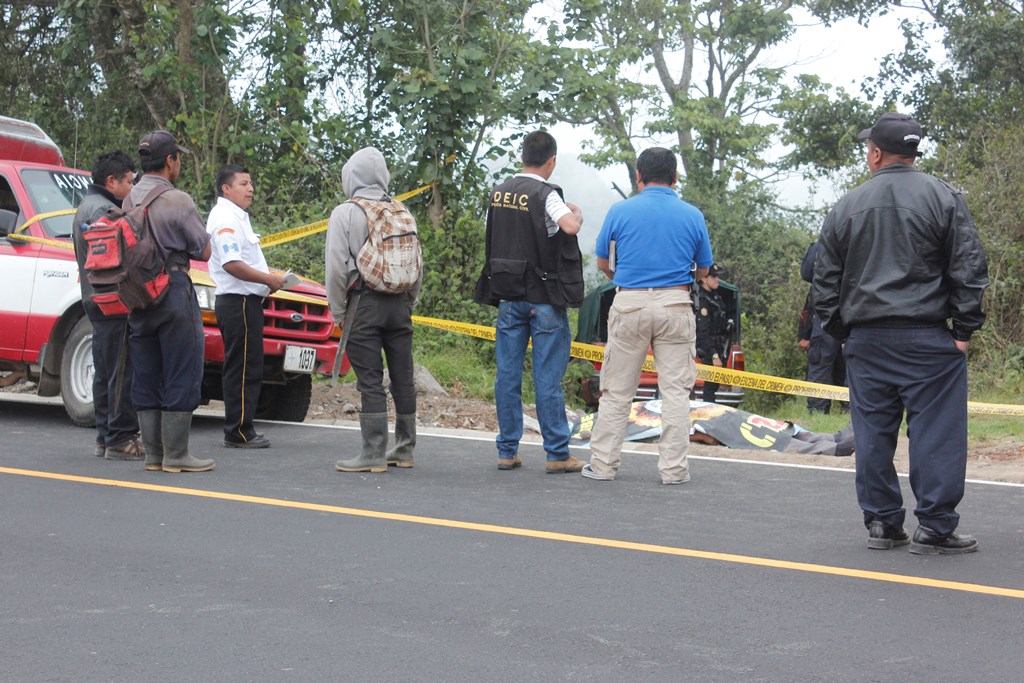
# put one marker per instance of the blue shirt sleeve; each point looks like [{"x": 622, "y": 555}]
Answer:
[{"x": 704, "y": 257}]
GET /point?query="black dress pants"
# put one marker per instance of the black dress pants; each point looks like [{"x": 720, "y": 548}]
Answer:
[
  {"x": 240, "y": 318},
  {"x": 825, "y": 365}
]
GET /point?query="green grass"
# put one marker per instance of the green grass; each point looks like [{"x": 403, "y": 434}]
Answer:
[
  {"x": 462, "y": 370},
  {"x": 994, "y": 428},
  {"x": 795, "y": 410}
]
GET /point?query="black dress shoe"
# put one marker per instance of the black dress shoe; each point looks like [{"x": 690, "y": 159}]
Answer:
[
  {"x": 928, "y": 542},
  {"x": 882, "y": 536},
  {"x": 258, "y": 441}
]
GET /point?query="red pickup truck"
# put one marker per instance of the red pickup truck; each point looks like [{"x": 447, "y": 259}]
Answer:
[{"x": 43, "y": 328}]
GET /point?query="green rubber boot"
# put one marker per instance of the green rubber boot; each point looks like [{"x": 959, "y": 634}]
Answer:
[
  {"x": 175, "y": 430},
  {"x": 374, "y": 428},
  {"x": 405, "y": 441},
  {"x": 152, "y": 438}
]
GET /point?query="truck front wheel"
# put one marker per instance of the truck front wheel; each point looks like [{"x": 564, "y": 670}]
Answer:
[
  {"x": 287, "y": 402},
  {"x": 76, "y": 373}
]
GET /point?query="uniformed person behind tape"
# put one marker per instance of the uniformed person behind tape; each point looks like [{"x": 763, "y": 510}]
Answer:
[
  {"x": 712, "y": 326},
  {"x": 243, "y": 280},
  {"x": 825, "y": 363},
  {"x": 532, "y": 272},
  {"x": 166, "y": 341}
]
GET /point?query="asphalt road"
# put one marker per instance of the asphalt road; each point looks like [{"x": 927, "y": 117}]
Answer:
[{"x": 274, "y": 567}]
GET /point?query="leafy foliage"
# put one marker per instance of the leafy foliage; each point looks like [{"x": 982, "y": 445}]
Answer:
[{"x": 290, "y": 89}]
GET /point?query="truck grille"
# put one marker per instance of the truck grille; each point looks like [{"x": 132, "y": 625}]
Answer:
[{"x": 297, "y": 320}]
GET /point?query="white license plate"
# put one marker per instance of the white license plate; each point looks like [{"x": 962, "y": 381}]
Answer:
[{"x": 299, "y": 359}]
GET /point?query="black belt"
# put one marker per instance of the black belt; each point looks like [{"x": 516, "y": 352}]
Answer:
[
  {"x": 241, "y": 296},
  {"x": 180, "y": 268},
  {"x": 685, "y": 288}
]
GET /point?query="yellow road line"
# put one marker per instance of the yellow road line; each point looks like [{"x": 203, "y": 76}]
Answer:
[{"x": 546, "y": 535}]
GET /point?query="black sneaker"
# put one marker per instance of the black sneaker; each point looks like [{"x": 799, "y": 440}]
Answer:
[
  {"x": 882, "y": 536},
  {"x": 929, "y": 542},
  {"x": 258, "y": 441}
]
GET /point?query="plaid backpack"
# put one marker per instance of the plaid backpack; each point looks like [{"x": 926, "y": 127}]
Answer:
[
  {"x": 390, "y": 261},
  {"x": 123, "y": 262}
]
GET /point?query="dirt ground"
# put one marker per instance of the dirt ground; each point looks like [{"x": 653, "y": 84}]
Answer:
[
  {"x": 331, "y": 404},
  {"x": 992, "y": 462}
]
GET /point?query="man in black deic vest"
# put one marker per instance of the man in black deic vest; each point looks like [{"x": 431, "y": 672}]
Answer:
[{"x": 533, "y": 271}]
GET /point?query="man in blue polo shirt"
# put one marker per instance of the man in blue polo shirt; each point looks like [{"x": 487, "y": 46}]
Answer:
[{"x": 657, "y": 237}]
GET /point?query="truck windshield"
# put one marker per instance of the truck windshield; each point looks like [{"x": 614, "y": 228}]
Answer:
[{"x": 55, "y": 191}]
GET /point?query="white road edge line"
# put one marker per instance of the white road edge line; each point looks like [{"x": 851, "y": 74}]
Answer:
[{"x": 490, "y": 439}]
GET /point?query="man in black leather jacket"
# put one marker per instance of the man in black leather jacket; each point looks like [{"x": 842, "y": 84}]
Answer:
[{"x": 898, "y": 256}]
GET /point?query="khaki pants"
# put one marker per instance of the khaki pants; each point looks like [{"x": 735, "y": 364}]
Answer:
[{"x": 662, "y": 320}]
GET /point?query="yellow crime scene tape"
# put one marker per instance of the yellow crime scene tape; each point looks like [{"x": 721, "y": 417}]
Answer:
[
  {"x": 269, "y": 241},
  {"x": 588, "y": 352},
  {"x": 736, "y": 378},
  {"x": 60, "y": 244},
  {"x": 43, "y": 216},
  {"x": 293, "y": 234}
]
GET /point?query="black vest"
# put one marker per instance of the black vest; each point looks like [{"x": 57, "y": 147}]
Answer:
[{"x": 522, "y": 262}]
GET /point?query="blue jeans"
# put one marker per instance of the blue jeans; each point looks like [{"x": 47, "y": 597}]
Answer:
[{"x": 548, "y": 325}]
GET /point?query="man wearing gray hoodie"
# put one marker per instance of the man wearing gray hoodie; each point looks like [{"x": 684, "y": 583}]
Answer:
[{"x": 382, "y": 322}]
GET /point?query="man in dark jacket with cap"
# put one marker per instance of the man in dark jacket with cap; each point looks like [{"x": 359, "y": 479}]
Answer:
[
  {"x": 117, "y": 427},
  {"x": 898, "y": 257}
]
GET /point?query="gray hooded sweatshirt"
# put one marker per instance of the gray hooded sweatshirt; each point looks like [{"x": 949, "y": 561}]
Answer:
[{"x": 365, "y": 175}]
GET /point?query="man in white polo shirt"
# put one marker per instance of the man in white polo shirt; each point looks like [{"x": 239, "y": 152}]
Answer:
[{"x": 243, "y": 280}]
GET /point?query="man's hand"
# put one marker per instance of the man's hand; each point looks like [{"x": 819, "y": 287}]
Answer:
[
  {"x": 571, "y": 222},
  {"x": 274, "y": 281},
  {"x": 716, "y": 361},
  {"x": 962, "y": 345},
  {"x": 804, "y": 344}
]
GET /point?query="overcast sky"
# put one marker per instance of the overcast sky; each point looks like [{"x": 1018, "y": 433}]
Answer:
[{"x": 843, "y": 55}]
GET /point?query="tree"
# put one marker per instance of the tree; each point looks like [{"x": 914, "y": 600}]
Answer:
[
  {"x": 690, "y": 75},
  {"x": 436, "y": 79},
  {"x": 686, "y": 70}
]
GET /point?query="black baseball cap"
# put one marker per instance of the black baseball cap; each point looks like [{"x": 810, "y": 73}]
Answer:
[
  {"x": 716, "y": 270},
  {"x": 895, "y": 133},
  {"x": 160, "y": 144}
]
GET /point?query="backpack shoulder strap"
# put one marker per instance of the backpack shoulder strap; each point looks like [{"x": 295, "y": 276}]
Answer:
[
  {"x": 148, "y": 199},
  {"x": 154, "y": 193}
]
